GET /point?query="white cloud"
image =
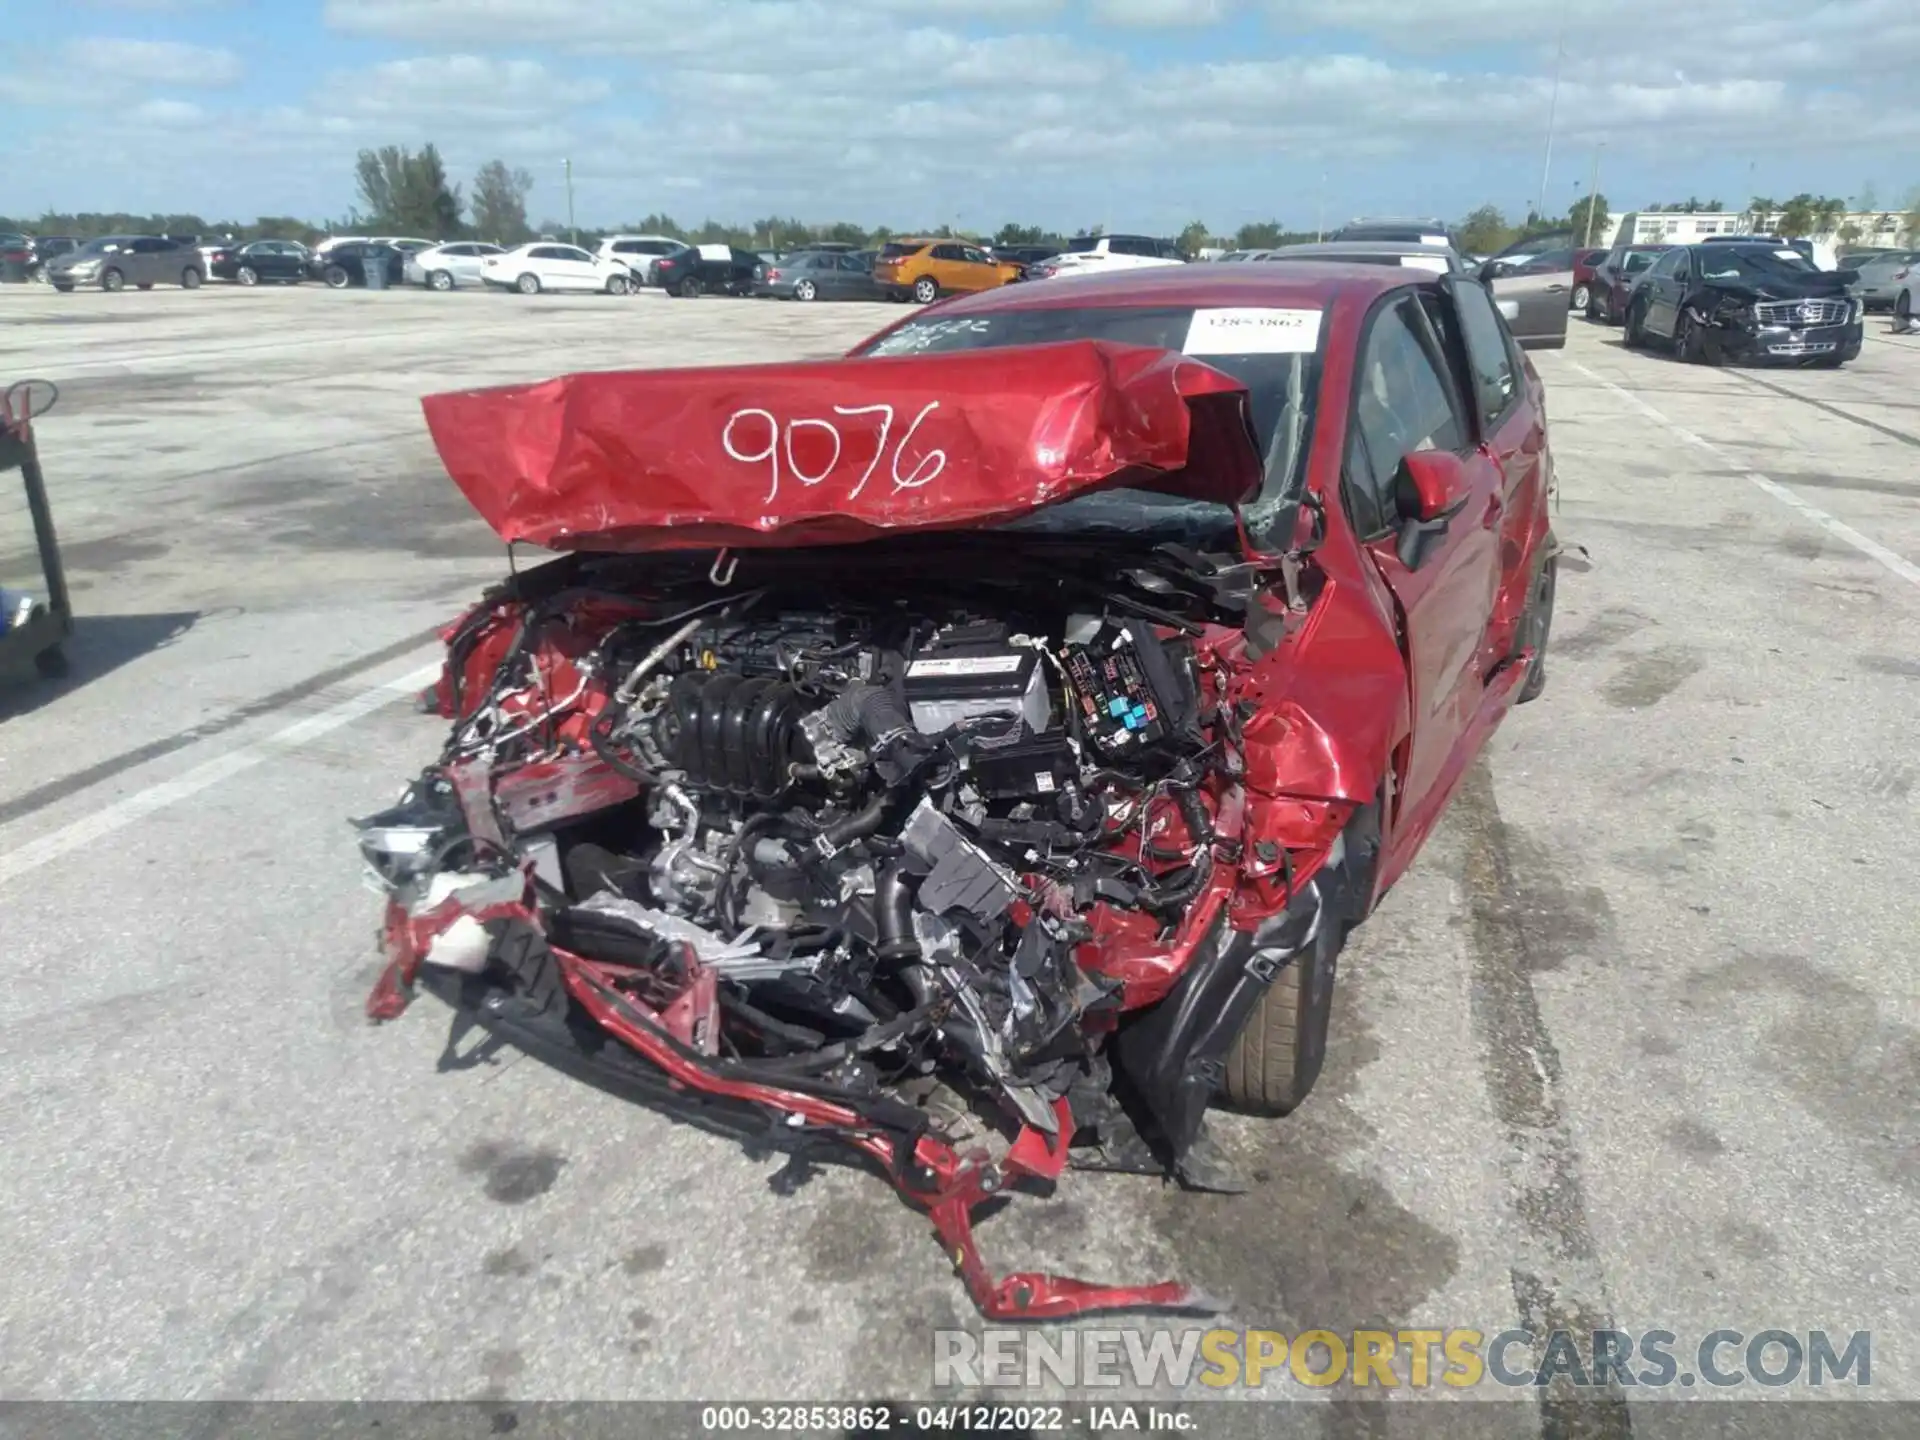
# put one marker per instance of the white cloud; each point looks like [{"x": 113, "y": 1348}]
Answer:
[
  {"x": 1160, "y": 14},
  {"x": 456, "y": 89},
  {"x": 167, "y": 113},
  {"x": 154, "y": 62}
]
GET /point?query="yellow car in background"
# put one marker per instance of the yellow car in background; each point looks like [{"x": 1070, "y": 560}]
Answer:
[{"x": 924, "y": 270}]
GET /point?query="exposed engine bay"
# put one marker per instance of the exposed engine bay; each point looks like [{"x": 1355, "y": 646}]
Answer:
[{"x": 871, "y": 856}]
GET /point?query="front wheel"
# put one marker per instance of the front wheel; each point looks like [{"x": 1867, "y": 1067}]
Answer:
[
  {"x": 440, "y": 280},
  {"x": 1277, "y": 1057},
  {"x": 64, "y": 289},
  {"x": 528, "y": 284},
  {"x": 1582, "y": 298},
  {"x": 1688, "y": 341},
  {"x": 926, "y": 290},
  {"x": 1635, "y": 338},
  {"x": 1903, "y": 312},
  {"x": 247, "y": 275},
  {"x": 111, "y": 279},
  {"x": 616, "y": 284}
]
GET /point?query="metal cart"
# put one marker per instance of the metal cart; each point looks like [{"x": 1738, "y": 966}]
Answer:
[{"x": 38, "y": 628}]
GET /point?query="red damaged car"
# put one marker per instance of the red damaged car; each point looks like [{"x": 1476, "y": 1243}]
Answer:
[{"x": 1016, "y": 714}]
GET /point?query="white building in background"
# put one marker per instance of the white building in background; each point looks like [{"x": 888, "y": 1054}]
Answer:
[{"x": 1654, "y": 227}]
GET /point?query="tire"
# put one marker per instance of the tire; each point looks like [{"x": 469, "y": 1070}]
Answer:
[
  {"x": 528, "y": 284},
  {"x": 1583, "y": 298},
  {"x": 337, "y": 277},
  {"x": 1688, "y": 343},
  {"x": 805, "y": 291},
  {"x": 1277, "y": 1057},
  {"x": 926, "y": 290},
  {"x": 688, "y": 289},
  {"x": 441, "y": 280},
  {"x": 616, "y": 284},
  {"x": 51, "y": 663},
  {"x": 1536, "y": 624},
  {"x": 111, "y": 279},
  {"x": 247, "y": 275},
  {"x": 190, "y": 278},
  {"x": 66, "y": 289},
  {"x": 1635, "y": 338},
  {"x": 1903, "y": 312}
]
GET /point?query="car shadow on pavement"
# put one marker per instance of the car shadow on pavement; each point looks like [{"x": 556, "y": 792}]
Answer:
[{"x": 99, "y": 645}]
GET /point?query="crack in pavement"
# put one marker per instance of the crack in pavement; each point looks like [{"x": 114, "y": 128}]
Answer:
[{"x": 1557, "y": 1276}]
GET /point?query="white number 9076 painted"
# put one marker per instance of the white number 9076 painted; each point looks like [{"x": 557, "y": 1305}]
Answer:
[{"x": 780, "y": 437}]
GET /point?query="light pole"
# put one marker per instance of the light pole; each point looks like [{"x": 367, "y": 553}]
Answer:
[
  {"x": 1553, "y": 114},
  {"x": 1593, "y": 191},
  {"x": 573, "y": 234}
]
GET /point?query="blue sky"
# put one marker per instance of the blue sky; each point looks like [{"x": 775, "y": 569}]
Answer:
[{"x": 1133, "y": 113}]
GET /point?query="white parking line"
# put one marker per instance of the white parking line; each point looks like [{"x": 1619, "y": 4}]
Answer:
[
  {"x": 1839, "y": 529},
  {"x": 142, "y": 803}
]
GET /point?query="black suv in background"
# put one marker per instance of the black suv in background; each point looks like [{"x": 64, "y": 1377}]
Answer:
[
  {"x": 707, "y": 270},
  {"x": 1746, "y": 302}
]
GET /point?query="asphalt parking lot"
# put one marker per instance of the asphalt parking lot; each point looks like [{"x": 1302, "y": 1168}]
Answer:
[{"x": 1635, "y": 1044}]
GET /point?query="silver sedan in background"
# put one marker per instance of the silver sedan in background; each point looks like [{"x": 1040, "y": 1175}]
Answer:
[{"x": 443, "y": 267}]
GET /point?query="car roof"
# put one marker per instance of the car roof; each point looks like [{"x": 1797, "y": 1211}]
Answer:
[
  {"x": 1335, "y": 248},
  {"x": 1313, "y": 283}
]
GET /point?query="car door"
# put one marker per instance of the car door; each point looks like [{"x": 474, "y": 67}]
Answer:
[
  {"x": 1664, "y": 286},
  {"x": 280, "y": 260},
  {"x": 856, "y": 280},
  {"x": 146, "y": 265},
  {"x": 976, "y": 270},
  {"x": 1492, "y": 371},
  {"x": 947, "y": 266},
  {"x": 556, "y": 266},
  {"x": 1405, "y": 400},
  {"x": 1537, "y": 275}
]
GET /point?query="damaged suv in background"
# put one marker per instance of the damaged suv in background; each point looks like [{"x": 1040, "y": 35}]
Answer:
[{"x": 975, "y": 751}]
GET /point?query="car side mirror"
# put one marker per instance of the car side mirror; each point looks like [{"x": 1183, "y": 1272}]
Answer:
[
  {"x": 1429, "y": 490},
  {"x": 1488, "y": 270},
  {"x": 27, "y": 400}
]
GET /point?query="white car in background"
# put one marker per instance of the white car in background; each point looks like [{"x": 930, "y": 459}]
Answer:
[
  {"x": 638, "y": 252},
  {"x": 443, "y": 267},
  {"x": 548, "y": 265},
  {"x": 1103, "y": 254}
]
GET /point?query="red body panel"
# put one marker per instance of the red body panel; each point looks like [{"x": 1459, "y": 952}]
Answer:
[{"x": 828, "y": 452}]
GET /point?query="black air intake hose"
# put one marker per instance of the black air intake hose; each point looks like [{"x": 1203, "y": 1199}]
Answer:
[
  {"x": 866, "y": 714},
  {"x": 893, "y": 917}
]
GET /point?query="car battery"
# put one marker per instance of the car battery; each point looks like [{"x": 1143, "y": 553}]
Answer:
[
  {"x": 956, "y": 680},
  {"x": 1120, "y": 712},
  {"x": 1021, "y": 770}
]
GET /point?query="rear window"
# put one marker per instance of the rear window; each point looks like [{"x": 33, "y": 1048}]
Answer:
[
  {"x": 894, "y": 249},
  {"x": 1084, "y": 244}
]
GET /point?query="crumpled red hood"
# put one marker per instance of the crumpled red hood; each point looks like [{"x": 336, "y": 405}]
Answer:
[{"x": 832, "y": 451}]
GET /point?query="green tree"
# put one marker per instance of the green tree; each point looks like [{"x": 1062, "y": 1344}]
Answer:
[
  {"x": 1798, "y": 216},
  {"x": 1827, "y": 213},
  {"x": 1259, "y": 235},
  {"x": 1484, "y": 231},
  {"x": 498, "y": 206},
  {"x": 408, "y": 193},
  {"x": 1910, "y": 222},
  {"x": 1011, "y": 234},
  {"x": 1588, "y": 219},
  {"x": 1193, "y": 239},
  {"x": 1759, "y": 211},
  {"x": 1868, "y": 198}
]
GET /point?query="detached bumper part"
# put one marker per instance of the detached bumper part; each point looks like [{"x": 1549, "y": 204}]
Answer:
[{"x": 561, "y": 1008}]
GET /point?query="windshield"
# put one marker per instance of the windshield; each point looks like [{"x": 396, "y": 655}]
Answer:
[
  {"x": 1282, "y": 390},
  {"x": 1084, "y": 244},
  {"x": 1753, "y": 264},
  {"x": 104, "y": 245}
]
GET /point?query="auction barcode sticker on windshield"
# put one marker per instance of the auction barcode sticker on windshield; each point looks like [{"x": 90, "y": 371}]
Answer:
[{"x": 1251, "y": 331}]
